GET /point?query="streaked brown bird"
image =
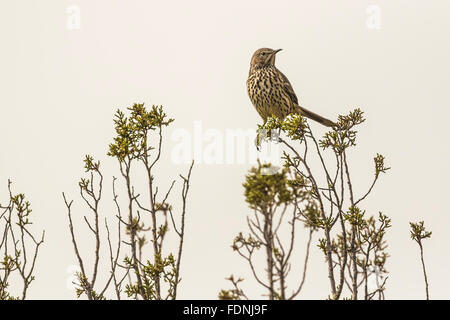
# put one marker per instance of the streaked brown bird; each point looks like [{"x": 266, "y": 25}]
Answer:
[{"x": 271, "y": 92}]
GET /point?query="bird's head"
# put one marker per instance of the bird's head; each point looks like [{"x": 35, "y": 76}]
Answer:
[{"x": 263, "y": 57}]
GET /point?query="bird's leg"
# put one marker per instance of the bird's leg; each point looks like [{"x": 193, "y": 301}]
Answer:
[
  {"x": 261, "y": 135},
  {"x": 258, "y": 139},
  {"x": 257, "y": 143}
]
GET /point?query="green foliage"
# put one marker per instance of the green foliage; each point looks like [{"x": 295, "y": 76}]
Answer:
[
  {"x": 352, "y": 241},
  {"x": 323, "y": 246},
  {"x": 90, "y": 164},
  {"x": 8, "y": 265},
  {"x": 232, "y": 294},
  {"x": 263, "y": 191},
  {"x": 164, "y": 268},
  {"x": 228, "y": 295},
  {"x": 371, "y": 238},
  {"x": 86, "y": 288},
  {"x": 19, "y": 248},
  {"x": 379, "y": 165},
  {"x": 270, "y": 193},
  {"x": 146, "y": 273},
  {"x": 240, "y": 241},
  {"x": 354, "y": 118},
  {"x": 23, "y": 209},
  {"x": 132, "y": 132},
  {"x": 344, "y": 136},
  {"x": 370, "y": 245},
  {"x": 355, "y": 216},
  {"x": 311, "y": 213},
  {"x": 418, "y": 232},
  {"x": 294, "y": 125}
]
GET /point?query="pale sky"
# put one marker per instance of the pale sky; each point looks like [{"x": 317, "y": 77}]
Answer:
[{"x": 61, "y": 87}]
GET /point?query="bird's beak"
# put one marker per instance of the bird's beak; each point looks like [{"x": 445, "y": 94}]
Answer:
[{"x": 271, "y": 58}]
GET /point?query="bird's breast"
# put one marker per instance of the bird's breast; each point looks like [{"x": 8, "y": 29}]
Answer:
[
  {"x": 262, "y": 87},
  {"x": 265, "y": 89}
]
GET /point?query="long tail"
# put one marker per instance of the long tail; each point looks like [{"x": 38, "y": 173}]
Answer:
[{"x": 314, "y": 116}]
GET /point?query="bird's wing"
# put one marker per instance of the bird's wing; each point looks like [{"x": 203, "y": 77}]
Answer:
[{"x": 288, "y": 88}]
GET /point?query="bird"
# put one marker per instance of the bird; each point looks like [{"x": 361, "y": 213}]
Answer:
[{"x": 270, "y": 91}]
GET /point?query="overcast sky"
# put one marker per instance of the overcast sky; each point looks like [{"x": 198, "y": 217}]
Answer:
[{"x": 60, "y": 86}]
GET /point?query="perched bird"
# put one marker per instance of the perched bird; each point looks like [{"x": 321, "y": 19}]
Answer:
[{"x": 271, "y": 92}]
